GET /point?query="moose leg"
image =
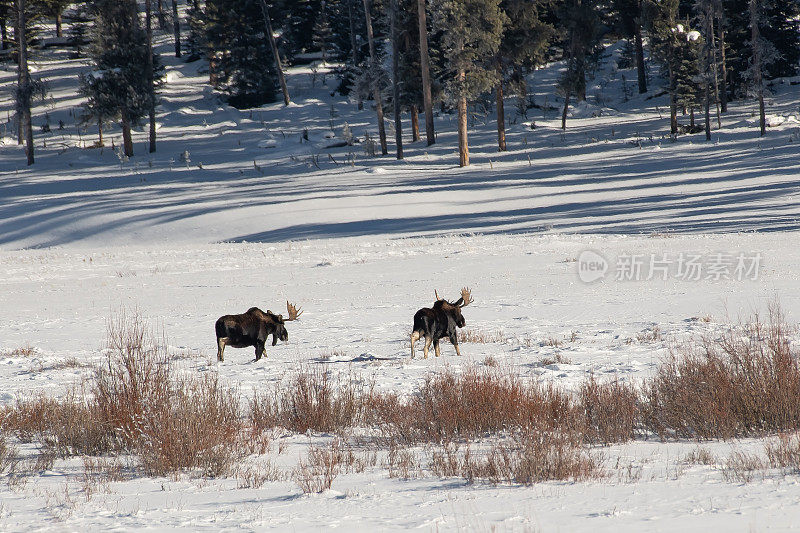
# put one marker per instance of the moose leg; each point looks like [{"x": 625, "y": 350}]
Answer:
[
  {"x": 414, "y": 339},
  {"x": 436, "y": 347},
  {"x": 221, "y": 347},
  {"x": 259, "y": 350},
  {"x": 454, "y": 342},
  {"x": 428, "y": 341}
]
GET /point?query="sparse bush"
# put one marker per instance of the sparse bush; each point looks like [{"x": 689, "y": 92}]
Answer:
[
  {"x": 611, "y": 410},
  {"x": 742, "y": 467},
  {"x": 481, "y": 337},
  {"x": 317, "y": 473},
  {"x": 527, "y": 457},
  {"x": 785, "y": 453}
]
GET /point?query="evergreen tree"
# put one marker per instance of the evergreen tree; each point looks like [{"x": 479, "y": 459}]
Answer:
[
  {"x": 779, "y": 29},
  {"x": 471, "y": 33},
  {"x": 526, "y": 37},
  {"x": 628, "y": 16},
  {"x": 119, "y": 82},
  {"x": 242, "y": 64},
  {"x": 53, "y": 9},
  {"x": 323, "y": 33},
  {"x": 580, "y": 20},
  {"x": 196, "y": 39}
]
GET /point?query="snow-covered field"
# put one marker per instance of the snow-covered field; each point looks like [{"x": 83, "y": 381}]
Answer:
[{"x": 257, "y": 216}]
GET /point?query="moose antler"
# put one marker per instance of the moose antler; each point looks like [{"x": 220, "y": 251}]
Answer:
[
  {"x": 466, "y": 295},
  {"x": 437, "y": 295},
  {"x": 293, "y": 312}
]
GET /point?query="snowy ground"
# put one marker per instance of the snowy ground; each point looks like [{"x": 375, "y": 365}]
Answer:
[{"x": 250, "y": 219}]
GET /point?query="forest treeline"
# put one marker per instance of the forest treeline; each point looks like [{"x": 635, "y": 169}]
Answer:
[{"x": 406, "y": 57}]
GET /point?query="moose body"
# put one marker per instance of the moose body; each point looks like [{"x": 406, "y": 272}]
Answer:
[
  {"x": 442, "y": 320},
  {"x": 252, "y": 328}
]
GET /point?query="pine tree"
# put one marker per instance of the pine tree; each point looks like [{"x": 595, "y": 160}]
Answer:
[
  {"x": 580, "y": 20},
  {"x": 323, "y": 33},
  {"x": 628, "y": 18},
  {"x": 54, "y": 9},
  {"x": 118, "y": 83},
  {"x": 197, "y": 39},
  {"x": 242, "y": 65},
  {"x": 526, "y": 37},
  {"x": 471, "y": 33},
  {"x": 24, "y": 85},
  {"x": 425, "y": 71},
  {"x": 375, "y": 74}
]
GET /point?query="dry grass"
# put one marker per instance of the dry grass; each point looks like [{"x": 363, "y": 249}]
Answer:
[
  {"x": 525, "y": 458},
  {"x": 611, "y": 410},
  {"x": 742, "y": 467},
  {"x": 317, "y": 472},
  {"x": 746, "y": 383},
  {"x": 649, "y": 335},
  {"x": 22, "y": 351},
  {"x": 556, "y": 359},
  {"x": 700, "y": 456},
  {"x": 310, "y": 400},
  {"x": 785, "y": 453},
  {"x": 481, "y": 337}
]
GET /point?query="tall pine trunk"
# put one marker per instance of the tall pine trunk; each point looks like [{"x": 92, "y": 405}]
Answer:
[
  {"x": 59, "y": 32},
  {"x": 639, "y": 47},
  {"x": 463, "y": 144},
  {"x": 354, "y": 46},
  {"x": 414, "y": 123},
  {"x": 756, "y": 46},
  {"x": 398, "y": 129},
  {"x": 162, "y": 21},
  {"x": 723, "y": 67},
  {"x": 564, "y": 112},
  {"x": 275, "y": 54},
  {"x": 127, "y": 142},
  {"x": 376, "y": 90},
  {"x": 24, "y": 78},
  {"x": 151, "y": 108},
  {"x": 501, "y": 114},
  {"x": 424, "y": 62},
  {"x": 708, "y": 112},
  {"x": 176, "y": 28},
  {"x": 3, "y": 34}
]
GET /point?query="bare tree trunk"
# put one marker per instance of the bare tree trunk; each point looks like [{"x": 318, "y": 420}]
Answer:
[
  {"x": 18, "y": 102},
  {"x": 414, "y": 123},
  {"x": 708, "y": 113},
  {"x": 151, "y": 108},
  {"x": 424, "y": 62},
  {"x": 176, "y": 28},
  {"x": 639, "y": 47},
  {"x": 59, "y": 32},
  {"x": 501, "y": 116},
  {"x": 724, "y": 69},
  {"x": 376, "y": 90},
  {"x": 463, "y": 144},
  {"x": 3, "y": 34},
  {"x": 99, "y": 131},
  {"x": 354, "y": 46},
  {"x": 162, "y": 21},
  {"x": 275, "y": 54},
  {"x": 398, "y": 129},
  {"x": 756, "y": 47},
  {"x": 564, "y": 112},
  {"x": 24, "y": 78},
  {"x": 127, "y": 142}
]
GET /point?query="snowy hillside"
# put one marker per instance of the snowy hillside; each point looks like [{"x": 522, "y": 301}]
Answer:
[{"x": 237, "y": 209}]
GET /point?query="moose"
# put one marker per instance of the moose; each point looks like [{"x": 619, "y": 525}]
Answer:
[
  {"x": 440, "y": 321},
  {"x": 252, "y": 329}
]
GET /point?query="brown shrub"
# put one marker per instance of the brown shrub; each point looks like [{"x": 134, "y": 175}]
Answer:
[
  {"x": 785, "y": 453},
  {"x": 611, "y": 410},
  {"x": 449, "y": 406},
  {"x": 311, "y": 400},
  {"x": 527, "y": 457},
  {"x": 746, "y": 383}
]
